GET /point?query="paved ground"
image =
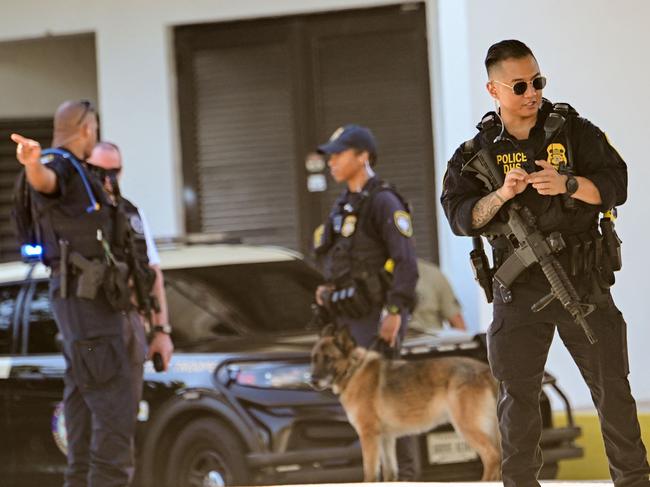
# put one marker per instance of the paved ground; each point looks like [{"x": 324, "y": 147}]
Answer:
[{"x": 549, "y": 483}]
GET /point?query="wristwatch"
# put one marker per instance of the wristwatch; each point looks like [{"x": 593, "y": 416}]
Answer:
[
  {"x": 571, "y": 185},
  {"x": 164, "y": 328},
  {"x": 392, "y": 309}
]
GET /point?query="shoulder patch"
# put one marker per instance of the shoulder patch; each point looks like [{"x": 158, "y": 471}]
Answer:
[
  {"x": 318, "y": 236},
  {"x": 136, "y": 224},
  {"x": 403, "y": 223},
  {"x": 47, "y": 158}
]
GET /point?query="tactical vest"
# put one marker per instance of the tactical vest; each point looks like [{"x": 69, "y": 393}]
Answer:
[
  {"x": 74, "y": 218},
  {"x": 131, "y": 218},
  {"x": 586, "y": 248},
  {"x": 557, "y": 213},
  {"x": 353, "y": 250}
]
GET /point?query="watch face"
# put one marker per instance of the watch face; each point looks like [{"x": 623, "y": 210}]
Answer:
[{"x": 571, "y": 185}]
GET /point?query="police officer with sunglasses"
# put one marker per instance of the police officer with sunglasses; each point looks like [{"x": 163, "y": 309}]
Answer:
[
  {"x": 563, "y": 169},
  {"x": 78, "y": 231}
]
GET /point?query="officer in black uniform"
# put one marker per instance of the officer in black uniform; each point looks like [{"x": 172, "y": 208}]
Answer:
[
  {"x": 565, "y": 173},
  {"x": 89, "y": 295},
  {"x": 367, "y": 255},
  {"x": 151, "y": 311}
]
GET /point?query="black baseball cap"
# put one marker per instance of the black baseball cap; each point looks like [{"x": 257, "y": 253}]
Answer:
[{"x": 350, "y": 137}]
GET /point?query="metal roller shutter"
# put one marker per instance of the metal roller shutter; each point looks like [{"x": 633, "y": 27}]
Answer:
[
  {"x": 38, "y": 129},
  {"x": 255, "y": 97},
  {"x": 382, "y": 89},
  {"x": 243, "y": 141}
]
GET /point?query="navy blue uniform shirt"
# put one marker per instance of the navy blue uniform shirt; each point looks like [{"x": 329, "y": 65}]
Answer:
[{"x": 389, "y": 225}]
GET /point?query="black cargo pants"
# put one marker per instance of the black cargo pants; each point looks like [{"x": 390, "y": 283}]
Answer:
[
  {"x": 104, "y": 352},
  {"x": 517, "y": 351}
]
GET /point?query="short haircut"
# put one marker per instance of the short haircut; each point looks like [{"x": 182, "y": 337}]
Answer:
[
  {"x": 106, "y": 145},
  {"x": 508, "y": 49}
]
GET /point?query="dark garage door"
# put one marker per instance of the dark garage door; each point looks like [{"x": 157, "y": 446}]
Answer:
[{"x": 255, "y": 97}]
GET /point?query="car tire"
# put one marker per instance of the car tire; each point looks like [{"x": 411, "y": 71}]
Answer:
[{"x": 206, "y": 453}]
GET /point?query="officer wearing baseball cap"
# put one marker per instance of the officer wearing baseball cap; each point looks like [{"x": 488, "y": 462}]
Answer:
[
  {"x": 366, "y": 253},
  {"x": 351, "y": 137}
]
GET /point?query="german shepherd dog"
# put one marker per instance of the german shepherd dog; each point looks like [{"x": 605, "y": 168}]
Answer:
[{"x": 386, "y": 399}]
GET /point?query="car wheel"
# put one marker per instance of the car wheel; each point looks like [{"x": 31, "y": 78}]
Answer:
[{"x": 206, "y": 454}]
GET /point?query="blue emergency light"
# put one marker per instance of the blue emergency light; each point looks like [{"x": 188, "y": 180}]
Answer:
[{"x": 31, "y": 253}]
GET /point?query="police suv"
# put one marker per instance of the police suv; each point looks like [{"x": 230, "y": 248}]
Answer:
[{"x": 235, "y": 406}]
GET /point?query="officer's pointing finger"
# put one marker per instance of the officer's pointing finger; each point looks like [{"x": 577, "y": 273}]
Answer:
[{"x": 19, "y": 139}]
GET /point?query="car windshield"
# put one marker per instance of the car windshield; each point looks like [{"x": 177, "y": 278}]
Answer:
[{"x": 239, "y": 300}]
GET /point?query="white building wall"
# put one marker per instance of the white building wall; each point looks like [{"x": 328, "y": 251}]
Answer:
[{"x": 589, "y": 49}]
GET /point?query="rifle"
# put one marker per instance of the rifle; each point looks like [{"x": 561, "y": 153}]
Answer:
[
  {"x": 531, "y": 247},
  {"x": 141, "y": 278}
]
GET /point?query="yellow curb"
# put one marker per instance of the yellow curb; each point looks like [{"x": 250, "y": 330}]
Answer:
[{"x": 594, "y": 463}]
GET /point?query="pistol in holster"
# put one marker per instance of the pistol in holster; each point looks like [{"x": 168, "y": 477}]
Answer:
[
  {"x": 611, "y": 240},
  {"x": 91, "y": 275},
  {"x": 481, "y": 267}
]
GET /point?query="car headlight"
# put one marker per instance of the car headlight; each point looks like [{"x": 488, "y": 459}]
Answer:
[{"x": 271, "y": 375}]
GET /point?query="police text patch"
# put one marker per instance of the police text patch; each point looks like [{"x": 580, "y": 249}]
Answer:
[{"x": 403, "y": 223}]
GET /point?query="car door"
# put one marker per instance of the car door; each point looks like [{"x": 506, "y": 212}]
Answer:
[{"x": 35, "y": 392}]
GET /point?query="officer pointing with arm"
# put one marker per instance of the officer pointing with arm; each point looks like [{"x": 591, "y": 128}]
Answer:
[
  {"x": 562, "y": 171},
  {"x": 89, "y": 297},
  {"x": 367, "y": 255}
]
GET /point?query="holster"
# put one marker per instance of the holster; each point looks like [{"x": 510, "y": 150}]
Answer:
[
  {"x": 90, "y": 275},
  {"x": 612, "y": 244},
  {"x": 482, "y": 272},
  {"x": 116, "y": 286}
]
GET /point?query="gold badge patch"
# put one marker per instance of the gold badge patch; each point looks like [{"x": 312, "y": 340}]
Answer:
[
  {"x": 403, "y": 223},
  {"x": 349, "y": 225},
  {"x": 556, "y": 155},
  {"x": 318, "y": 236}
]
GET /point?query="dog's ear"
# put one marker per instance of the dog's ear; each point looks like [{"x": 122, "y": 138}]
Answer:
[
  {"x": 327, "y": 331},
  {"x": 344, "y": 340}
]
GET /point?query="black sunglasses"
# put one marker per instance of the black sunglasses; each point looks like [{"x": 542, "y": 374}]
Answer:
[
  {"x": 88, "y": 108},
  {"x": 520, "y": 87}
]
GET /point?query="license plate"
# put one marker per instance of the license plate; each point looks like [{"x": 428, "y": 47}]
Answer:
[{"x": 448, "y": 447}]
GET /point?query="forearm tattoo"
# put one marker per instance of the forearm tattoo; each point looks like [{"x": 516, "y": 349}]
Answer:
[{"x": 485, "y": 209}]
